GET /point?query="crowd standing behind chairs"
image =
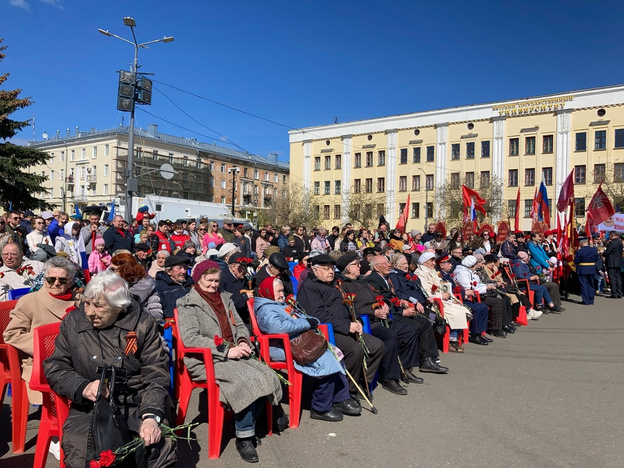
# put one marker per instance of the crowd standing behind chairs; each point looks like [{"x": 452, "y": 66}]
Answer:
[{"x": 388, "y": 298}]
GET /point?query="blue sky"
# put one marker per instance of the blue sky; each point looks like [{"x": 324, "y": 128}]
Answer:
[{"x": 299, "y": 63}]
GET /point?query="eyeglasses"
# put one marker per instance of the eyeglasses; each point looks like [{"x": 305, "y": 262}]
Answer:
[
  {"x": 201, "y": 229},
  {"x": 53, "y": 279}
]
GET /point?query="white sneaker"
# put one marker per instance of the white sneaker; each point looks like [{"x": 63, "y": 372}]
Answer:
[
  {"x": 55, "y": 449},
  {"x": 534, "y": 314}
]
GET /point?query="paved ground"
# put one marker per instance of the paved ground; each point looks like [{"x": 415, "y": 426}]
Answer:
[{"x": 548, "y": 396}]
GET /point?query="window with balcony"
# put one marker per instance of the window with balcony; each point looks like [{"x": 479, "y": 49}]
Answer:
[
  {"x": 529, "y": 145},
  {"x": 547, "y": 173},
  {"x": 599, "y": 173},
  {"x": 403, "y": 159},
  {"x": 529, "y": 177},
  {"x": 415, "y": 182},
  {"x": 600, "y": 140},
  {"x": 580, "y": 174},
  {"x": 430, "y": 153},
  {"x": 402, "y": 183},
  {"x": 416, "y": 155},
  {"x": 357, "y": 160},
  {"x": 547, "y": 144},
  {"x": 327, "y": 188},
  {"x": 455, "y": 180},
  {"x": 514, "y": 146},
  {"x": 470, "y": 150},
  {"x": 381, "y": 184},
  {"x": 381, "y": 158},
  {"x": 512, "y": 181},
  {"x": 485, "y": 149},
  {"x": 455, "y": 151}
]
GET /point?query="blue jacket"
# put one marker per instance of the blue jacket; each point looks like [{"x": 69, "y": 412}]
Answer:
[
  {"x": 170, "y": 291},
  {"x": 539, "y": 257},
  {"x": 54, "y": 230},
  {"x": 521, "y": 270},
  {"x": 273, "y": 319},
  {"x": 406, "y": 289}
]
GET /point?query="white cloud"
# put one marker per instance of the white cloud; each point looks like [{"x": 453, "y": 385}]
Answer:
[
  {"x": 20, "y": 4},
  {"x": 55, "y": 3}
]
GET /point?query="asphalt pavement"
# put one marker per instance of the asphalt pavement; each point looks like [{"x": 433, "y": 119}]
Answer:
[{"x": 548, "y": 396}]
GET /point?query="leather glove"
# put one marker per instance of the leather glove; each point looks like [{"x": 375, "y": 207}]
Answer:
[{"x": 313, "y": 323}]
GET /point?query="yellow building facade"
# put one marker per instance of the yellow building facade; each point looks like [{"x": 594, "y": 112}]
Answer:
[{"x": 376, "y": 163}]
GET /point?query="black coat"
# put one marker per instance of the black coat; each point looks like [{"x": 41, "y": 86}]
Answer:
[
  {"x": 230, "y": 284},
  {"x": 170, "y": 291},
  {"x": 262, "y": 274},
  {"x": 613, "y": 253},
  {"x": 115, "y": 241},
  {"x": 324, "y": 301}
]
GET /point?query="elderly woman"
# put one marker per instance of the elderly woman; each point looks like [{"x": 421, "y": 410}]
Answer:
[
  {"x": 48, "y": 305},
  {"x": 205, "y": 314},
  {"x": 159, "y": 264},
  {"x": 140, "y": 285},
  {"x": 330, "y": 390},
  {"x": 109, "y": 329}
]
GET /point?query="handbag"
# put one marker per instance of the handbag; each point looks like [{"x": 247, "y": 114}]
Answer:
[
  {"x": 307, "y": 347},
  {"x": 439, "y": 325},
  {"x": 109, "y": 429}
]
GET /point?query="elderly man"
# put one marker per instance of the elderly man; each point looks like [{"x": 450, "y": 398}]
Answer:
[
  {"x": 378, "y": 280},
  {"x": 277, "y": 266},
  {"x": 585, "y": 260},
  {"x": 430, "y": 234},
  {"x": 521, "y": 269},
  {"x": 454, "y": 313},
  {"x": 509, "y": 249},
  {"x": 320, "y": 298},
  {"x": 116, "y": 237},
  {"x": 390, "y": 332},
  {"x": 142, "y": 255},
  {"x": 173, "y": 283},
  {"x": 613, "y": 262},
  {"x": 17, "y": 271},
  {"x": 233, "y": 281}
]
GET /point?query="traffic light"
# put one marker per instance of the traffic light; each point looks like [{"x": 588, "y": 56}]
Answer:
[
  {"x": 144, "y": 91},
  {"x": 125, "y": 94}
]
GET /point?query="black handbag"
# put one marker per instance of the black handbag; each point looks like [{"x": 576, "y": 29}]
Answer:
[
  {"x": 439, "y": 325},
  {"x": 109, "y": 429}
]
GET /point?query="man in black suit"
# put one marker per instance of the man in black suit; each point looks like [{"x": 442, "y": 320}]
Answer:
[
  {"x": 613, "y": 263},
  {"x": 428, "y": 349}
]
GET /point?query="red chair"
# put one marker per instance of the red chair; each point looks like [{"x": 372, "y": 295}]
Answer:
[
  {"x": 55, "y": 408},
  {"x": 11, "y": 373},
  {"x": 294, "y": 376},
  {"x": 526, "y": 282},
  {"x": 446, "y": 338},
  {"x": 185, "y": 386}
]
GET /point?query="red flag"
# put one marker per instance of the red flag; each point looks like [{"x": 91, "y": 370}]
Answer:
[
  {"x": 517, "y": 218},
  {"x": 566, "y": 195},
  {"x": 535, "y": 207},
  {"x": 469, "y": 195},
  {"x": 600, "y": 207},
  {"x": 403, "y": 218}
]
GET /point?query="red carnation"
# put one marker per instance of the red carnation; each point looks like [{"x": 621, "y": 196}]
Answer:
[
  {"x": 474, "y": 283},
  {"x": 457, "y": 290},
  {"x": 218, "y": 341},
  {"x": 396, "y": 301},
  {"x": 107, "y": 458},
  {"x": 94, "y": 464},
  {"x": 290, "y": 299},
  {"x": 339, "y": 283},
  {"x": 434, "y": 288},
  {"x": 350, "y": 296}
]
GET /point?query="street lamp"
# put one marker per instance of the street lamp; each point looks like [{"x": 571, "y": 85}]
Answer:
[
  {"x": 234, "y": 171},
  {"x": 131, "y": 183},
  {"x": 426, "y": 199}
]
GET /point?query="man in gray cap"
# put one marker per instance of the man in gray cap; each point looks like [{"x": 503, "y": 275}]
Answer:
[{"x": 173, "y": 283}]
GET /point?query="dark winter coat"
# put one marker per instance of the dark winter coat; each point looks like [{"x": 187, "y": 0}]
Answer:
[{"x": 170, "y": 291}]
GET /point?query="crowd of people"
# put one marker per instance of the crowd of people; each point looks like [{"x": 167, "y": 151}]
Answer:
[{"x": 389, "y": 296}]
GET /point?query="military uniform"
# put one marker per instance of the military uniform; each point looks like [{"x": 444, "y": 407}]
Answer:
[{"x": 585, "y": 260}]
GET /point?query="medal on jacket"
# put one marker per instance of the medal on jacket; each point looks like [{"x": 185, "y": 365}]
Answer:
[{"x": 131, "y": 343}]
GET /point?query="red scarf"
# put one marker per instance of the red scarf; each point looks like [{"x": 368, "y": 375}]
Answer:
[
  {"x": 216, "y": 304},
  {"x": 63, "y": 297},
  {"x": 265, "y": 288}
]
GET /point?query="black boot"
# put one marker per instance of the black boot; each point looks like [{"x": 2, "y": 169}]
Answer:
[
  {"x": 429, "y": 364},
  {"x": 246, "y": 449},
  {"x": 280, "y": 418}
]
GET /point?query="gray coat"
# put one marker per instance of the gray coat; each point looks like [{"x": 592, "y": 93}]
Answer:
[{"x": 241, "y": 381}]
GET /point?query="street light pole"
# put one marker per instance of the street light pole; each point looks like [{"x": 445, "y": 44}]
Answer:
[
  {"x": 233, "y": 170},
  {"x": 131, "y": 183}
]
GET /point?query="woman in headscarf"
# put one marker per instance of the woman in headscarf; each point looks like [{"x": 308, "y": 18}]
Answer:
[
  {"x": 330, "y": 394},
  {"x": 208, "y": 319}
]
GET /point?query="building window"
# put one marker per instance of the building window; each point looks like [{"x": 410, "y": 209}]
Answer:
[
  {"x": 222, "y": 168},
  {"x": 430, "y": 153},
  {"x": 599, "y": 173},
  {"x": 325, "y": 211},
  {"x": 403, "y": 156},
  {"x": 211, "y": 166},
  {"x": 547, "y": 146},
  {"x": 529, "y": 145},
  {"x": 455, "y": 180},
  {"x": 381, "y": 158},
  {"x": 416, "y": 210},
  {"x": 327, "y": 162},
  {"x": 327, "y": 187},
  {"x": 223, "y": 184},
  {"x": 316, "y": 210},
  {"x": 600, "y": 140},
  {"x": 369, "y": 159},
  {"x": 105, "y": 189},
  {"x": 61, "y": 175},
  {"x": 430, "y": 210},
  {"x": 223, "y": 199},
  {"x": 185, "y": 161},
  {"x": 276, "y": 178},
  {"x": 337, "y": 188},
  {"x": 106, "y": 150},
  {"x": 513, "y": 178},
  {"x": 470, "y": 179},
  {"x": 105, "y": 170},
  {"x": 94, "y": 153},
  {"x": 514, "y": 146},
  {"x": 618, "y": 172},
  {"x": 619, "y": 138},
  {"x": 198, "y": 163},
  {"x": 336, "y": 211},
  {"x": 257, "y": 172},
  {"x": 470, "y": 148},
  {"x": 528, "y": 206},
  {"x": 155, "y": 155},
  {"x": 579, "y": 174},
  {"x": 485, "y": 149},
  {"x": 579, "y": 207},
  {"x": 357, "y": 160},
  {"x": 416, "y": 155},
  {"x": 357, "y": 185},
  {"x": 381, "y": 209},
  {"x": 338, "y": 161},
  {"x": 212, "y": 182},
  {"x": 171, "y": 159},
  {"x": 368, "y": 188},
  {"x": 72, "y": 155},
  {"x": 381, "y": 184},
  {"x": 317, "y": 163},
  {"x": 62, "y": 156},
  {"x": 547, "y": 175},
  {"x": 51, "y": 175},
  {"x": 485, "y": 179},
  {"x": 402, "y": 183},
  {"x": 529, "y": 177},
  {"x": 429, "y": 182},
  {"x": 511, "y": 208},
  {"x": 317, "y": 188},
  {"x": 83, "y": 154},
  {"x": 455, "y": 151},
  {"x": 416, "y": 182}
]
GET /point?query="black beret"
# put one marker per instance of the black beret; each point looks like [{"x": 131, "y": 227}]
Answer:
[
  {"x": 141, "y": 247},
  {"x": 343, "y": 261},
  {"x": 369, "y": 251},
  {"x": 467, "y": 250},
  {"x": 174, "y": 260},
  {"x": 279, "y": 261},
  {"x": 322, "y": 259},
  {"x": 490, "y": 258}
]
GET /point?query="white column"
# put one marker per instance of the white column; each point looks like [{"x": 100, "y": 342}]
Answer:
[
  {"x": 346, "y": 178},
  {"x": 498, "y": 154},
  {"x": 440, "y": 176},
  {"x": 391, "y": 166},
  {"x": 564, "y": 151},
  {"x": 307, "y": 167}
]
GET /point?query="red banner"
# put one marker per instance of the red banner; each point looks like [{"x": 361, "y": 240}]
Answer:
[
  {"x": 503, "y": 231},
  {"x": 441, "y": 226}
]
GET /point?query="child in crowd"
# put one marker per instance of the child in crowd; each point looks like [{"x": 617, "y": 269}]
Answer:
[{"x": 99, "y": 260}]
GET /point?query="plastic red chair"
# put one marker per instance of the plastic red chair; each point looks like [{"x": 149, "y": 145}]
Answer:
[
  {"x": 294, "y": 376},
  {"x": 446, "y": 338},
  {"x": 526, "y": 283},
  {"x": 11, "y": 373},
  {"x": 55, "y": 408}
]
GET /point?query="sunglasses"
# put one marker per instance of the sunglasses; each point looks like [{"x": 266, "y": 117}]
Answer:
[{"x": 52, "y": 279}]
